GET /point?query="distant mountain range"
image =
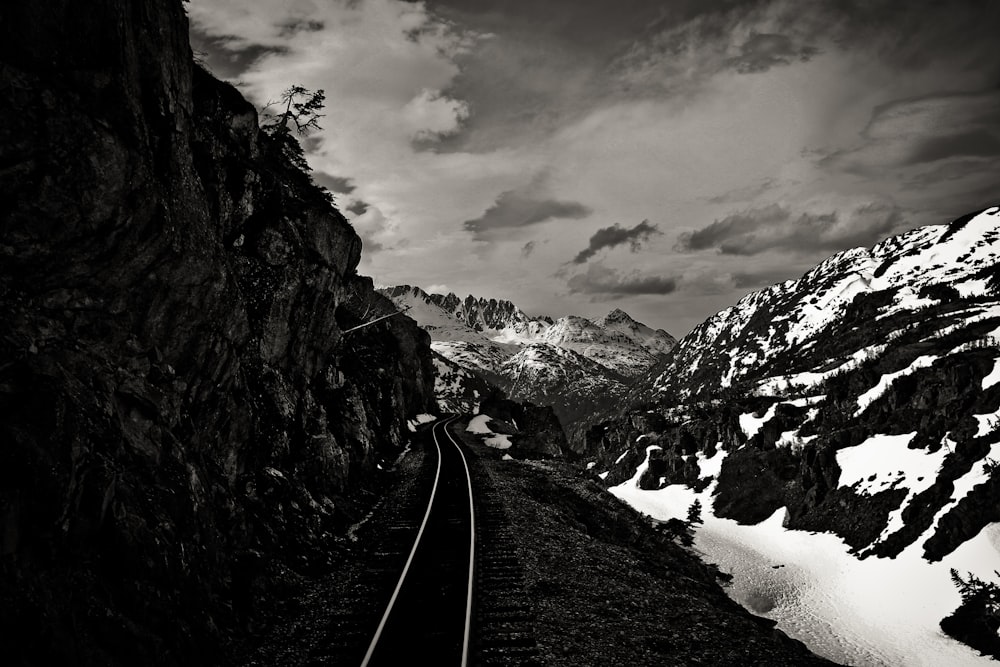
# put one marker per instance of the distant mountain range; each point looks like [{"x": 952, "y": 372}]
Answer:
[
  {"x": 578, "y": 366},
  {"x": 862, "y": 400}
]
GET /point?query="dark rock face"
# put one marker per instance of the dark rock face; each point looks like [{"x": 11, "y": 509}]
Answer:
[
  {"x": 537, "y": 432},
  {"x": 181, "y": 412}
]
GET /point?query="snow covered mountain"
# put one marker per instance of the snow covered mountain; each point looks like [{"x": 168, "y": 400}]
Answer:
[
  {"x": 575, "y": 386},
  {"x": 576, "y": 365},
  {"x": 861, "y": 401},
  {"x": 851, "y": 306},
  {"x": 655, "y": 340},
  {"x": 612, "y": 349}
]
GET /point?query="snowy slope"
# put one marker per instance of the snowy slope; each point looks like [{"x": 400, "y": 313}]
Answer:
[
  {"x": 611, "y": 349},
  {"x": 575, "y": 386},
  {"x": 845, "y": 426}
]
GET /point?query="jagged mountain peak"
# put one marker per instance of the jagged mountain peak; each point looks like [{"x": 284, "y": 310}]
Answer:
[
  {"x": 483, "y": 335},
  {"x": 615, "y": 315},
  {"x": 657, "y": 341}
]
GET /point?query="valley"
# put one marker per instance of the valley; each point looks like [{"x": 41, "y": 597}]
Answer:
[{"x": 220, "y": 443}]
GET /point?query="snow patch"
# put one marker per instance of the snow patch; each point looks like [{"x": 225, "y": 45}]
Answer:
[
  {"x": 711, "y": 466},
  {"x": 994, "y": 376},
  {"x": 498, "y": 441},
  {"x": 870, "y": 396},
  {"x": 883, "y": 461},
  {"x": 751, "y": 424},
  {"x": 478, "y": 424}
]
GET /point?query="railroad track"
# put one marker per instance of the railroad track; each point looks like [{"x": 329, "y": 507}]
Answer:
[
  {"x": 429, "y": 615},
  {"x": 437, "y": 581}
]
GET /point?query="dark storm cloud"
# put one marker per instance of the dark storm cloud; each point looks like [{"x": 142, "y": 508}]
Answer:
[
  {"x": 342, "y": 186},
  {"x": 358, "y": 207},
  {"x": 616, "y": 235},
  {"x": 776, "y": 227},
  {"x": 688, "y": 49},
  {"x": 512, "y": 210},
  {"x": 762, "y": 51},
  {"x": 735, "y": 226},
  {"x": 601, "y": 280}
]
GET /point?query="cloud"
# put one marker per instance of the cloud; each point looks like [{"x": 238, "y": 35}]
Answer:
[
  {"x": 777, "y": 227},
  {"x": 512, "y": 210},
  {"x": 746, "y": 193},
  {"x": 971, "y": 143},
  {"x": 342, "y": 186},
  {"x": 749, "y": 37},
  {"x": 527, "y": 249},
  {"x": 357, "y": 207},
  {"x": 919, "y": 131},
  {"x": 616, "y": 235},
  {"x": 763, "y": 277},
  {"x": 762, "y": 51},
  {"x": 602, "y": 280}
]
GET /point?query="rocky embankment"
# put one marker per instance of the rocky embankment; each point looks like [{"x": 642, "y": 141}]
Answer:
[
  {"x": 594, "y": 581},
  {"x": 183, "y": 414},
  {"x": 607, "y": 586}
]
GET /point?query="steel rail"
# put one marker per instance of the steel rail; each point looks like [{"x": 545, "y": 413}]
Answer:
[
  {"x": 409, "y": 559},
  {"x": 417, "y": 544},
  {"x": 472, "y": 551}
]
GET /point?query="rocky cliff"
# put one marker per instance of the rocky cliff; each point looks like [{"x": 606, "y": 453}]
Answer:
[{"x": 183, "y": 413}]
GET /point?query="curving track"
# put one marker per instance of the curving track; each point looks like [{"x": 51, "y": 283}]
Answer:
[{"x": 428, "y": 618}]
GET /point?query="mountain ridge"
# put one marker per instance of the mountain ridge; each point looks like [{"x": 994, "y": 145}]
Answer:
[
  {"x": 860, "y": 400},
  {"x": 577, "y": 365}
]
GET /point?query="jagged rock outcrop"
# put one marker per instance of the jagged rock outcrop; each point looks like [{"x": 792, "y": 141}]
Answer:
[
  {"x": 536, "y": 431},
  {"x": 181, "y": 412}
]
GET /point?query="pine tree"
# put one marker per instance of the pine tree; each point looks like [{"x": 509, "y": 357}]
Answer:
[
  {"x": 300, "y": 110},
  {"x": 694, "y": 513}
]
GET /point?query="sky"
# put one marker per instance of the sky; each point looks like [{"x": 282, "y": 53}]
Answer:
[{"x": 665, "y": 157}]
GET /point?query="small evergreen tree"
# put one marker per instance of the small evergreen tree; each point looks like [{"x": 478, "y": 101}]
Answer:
[
  {"x": 977, "y": 620},
  {"x": 694, "y": 513},
  {"x": 299, "y": 109}
]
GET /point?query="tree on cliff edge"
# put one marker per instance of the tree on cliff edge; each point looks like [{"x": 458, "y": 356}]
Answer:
[{"x": 299, "y": 109}]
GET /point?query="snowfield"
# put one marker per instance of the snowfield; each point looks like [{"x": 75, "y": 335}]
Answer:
[{"x": 875, "y": 611}]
